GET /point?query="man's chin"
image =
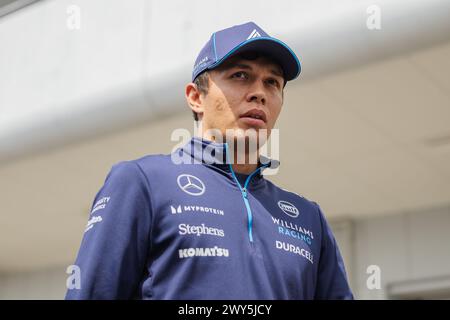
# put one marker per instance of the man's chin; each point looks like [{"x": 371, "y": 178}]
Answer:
[{"x": 248, "y": 136}]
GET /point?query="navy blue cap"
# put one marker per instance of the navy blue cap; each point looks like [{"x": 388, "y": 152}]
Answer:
[{"x": 226, "y": 43}]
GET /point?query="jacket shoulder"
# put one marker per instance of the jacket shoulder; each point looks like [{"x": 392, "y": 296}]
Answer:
[
  {"x": 295, "y": 197},
  {"x": 152, "y": 161}
]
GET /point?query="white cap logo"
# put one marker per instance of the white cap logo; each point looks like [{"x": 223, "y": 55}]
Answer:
[{"x": 254, "y": 34}]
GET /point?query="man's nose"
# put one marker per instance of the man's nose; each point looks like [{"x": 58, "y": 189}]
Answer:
[{"x": 257, "y": 93}]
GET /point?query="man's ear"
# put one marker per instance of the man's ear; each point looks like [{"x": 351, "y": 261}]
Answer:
[{"x": 194, "y": 98}]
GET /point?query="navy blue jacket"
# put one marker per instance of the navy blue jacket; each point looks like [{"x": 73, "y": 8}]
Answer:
[{"x": 161, "y": 229}]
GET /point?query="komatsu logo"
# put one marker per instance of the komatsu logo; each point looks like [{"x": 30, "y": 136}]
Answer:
[
  {"x": 203, "y": 252},
  {"x": 289, "y": 209}
]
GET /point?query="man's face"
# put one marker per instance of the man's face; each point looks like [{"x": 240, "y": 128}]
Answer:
[{"x": 243, "y": 94}]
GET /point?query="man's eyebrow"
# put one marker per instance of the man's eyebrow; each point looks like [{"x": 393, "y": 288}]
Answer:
[
  {"x": 240, "y": 66},
  {"x": 277, "y": 72},
  {"x": 246, "y": 66}
]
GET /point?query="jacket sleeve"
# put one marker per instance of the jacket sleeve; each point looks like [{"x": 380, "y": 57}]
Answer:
[
  {"x": 113, "y": 253},
  {"x": 332, "y": 282}
]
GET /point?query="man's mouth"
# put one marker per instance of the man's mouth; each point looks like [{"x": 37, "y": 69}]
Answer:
[{"x": 255, "y": 117}]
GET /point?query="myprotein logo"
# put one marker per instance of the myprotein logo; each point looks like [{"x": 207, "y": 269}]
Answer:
[
  {"x": 175, "y": 210},
  {"x": 203, "y": 252},
  {"x": 288, "y": 208},
  {"x": 201, "y": 209}
]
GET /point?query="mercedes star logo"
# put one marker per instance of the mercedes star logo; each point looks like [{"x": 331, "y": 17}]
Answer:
[{"x": 191, "y": 184}]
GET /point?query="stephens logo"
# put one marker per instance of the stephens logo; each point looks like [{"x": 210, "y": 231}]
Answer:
[
  {"x": 199, "y": 230},
  {"x": 289, "y": 209}
]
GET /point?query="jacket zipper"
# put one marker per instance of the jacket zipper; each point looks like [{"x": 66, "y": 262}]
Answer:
[{"x": 244, "y": 193}]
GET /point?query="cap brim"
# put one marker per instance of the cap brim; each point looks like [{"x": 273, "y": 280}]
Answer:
[{"x": 274, "y": 48}]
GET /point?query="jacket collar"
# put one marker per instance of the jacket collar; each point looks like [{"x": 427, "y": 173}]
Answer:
[{"x": 202, "y": 151}]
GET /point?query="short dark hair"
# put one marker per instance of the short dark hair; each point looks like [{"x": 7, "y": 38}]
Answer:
[{"x": 202, "y": 80}]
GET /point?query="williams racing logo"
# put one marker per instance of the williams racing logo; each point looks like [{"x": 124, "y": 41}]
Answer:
[
  {"x": 290, "y": 229},
  {"x": 288, "y": 208}
]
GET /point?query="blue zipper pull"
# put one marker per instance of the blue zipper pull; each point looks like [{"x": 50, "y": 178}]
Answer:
[{"x": 244, "y": 191}]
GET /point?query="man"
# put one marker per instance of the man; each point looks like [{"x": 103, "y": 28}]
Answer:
[{"x": 198, "y": 224}]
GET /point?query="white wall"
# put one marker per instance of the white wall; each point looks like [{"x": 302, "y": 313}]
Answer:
[
  {"x": 121, "y": 65},
  {"x": 41, "y": 284},
  {"x": 56, "y": 82},
  {"x": 410, "y": 248}
]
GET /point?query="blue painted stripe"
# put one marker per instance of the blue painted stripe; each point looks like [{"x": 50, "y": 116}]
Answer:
[{"x": 214, "y": 46}]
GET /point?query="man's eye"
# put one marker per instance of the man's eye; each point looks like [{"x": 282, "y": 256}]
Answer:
[
  {"x": 240, "y": 74},
  {"x": 273, "y": 82}
]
